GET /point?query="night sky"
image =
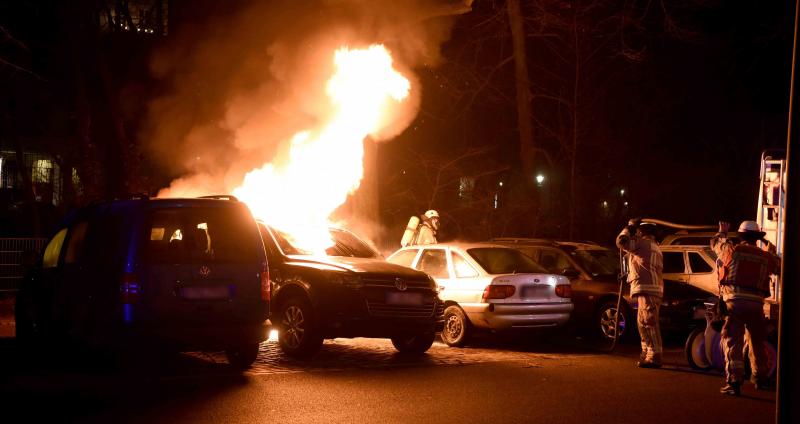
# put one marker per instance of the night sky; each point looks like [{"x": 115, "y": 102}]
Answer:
[{"x": 675, "y": 109}]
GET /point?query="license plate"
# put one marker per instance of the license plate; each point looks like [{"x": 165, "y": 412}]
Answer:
[
  {"x": 395, "y": 298},
  {"x": 535, "y": 291},
  {"x": 205, "y": 292}
]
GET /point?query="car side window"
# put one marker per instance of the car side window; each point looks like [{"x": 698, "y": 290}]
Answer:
[
  {"x": 673, "y": 262},
  {"x": 553, "y": 261},
  {"x": 53, "y": 250},
  {"x": 433, "y": 262},
  {"x": 77, "y": 238},
  {"x": 404, "y": 258},
  {"x": 698, "y": 264},
  {"x": 462, "y": 268}
]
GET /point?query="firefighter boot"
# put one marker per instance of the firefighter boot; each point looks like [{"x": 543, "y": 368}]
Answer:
[{"x": 733, "y": 388}]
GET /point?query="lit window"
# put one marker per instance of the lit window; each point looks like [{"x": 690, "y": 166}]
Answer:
[{"x": 40, "y": 171}]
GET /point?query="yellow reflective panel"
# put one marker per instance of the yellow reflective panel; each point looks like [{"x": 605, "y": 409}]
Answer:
[{"x": 53, "y": 249}]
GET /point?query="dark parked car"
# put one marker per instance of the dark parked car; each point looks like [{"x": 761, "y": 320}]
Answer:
[
  {"x": 593, "y": 272},
  {"x": 181, "y": 273},
  {"x": 351, "y": 292}
]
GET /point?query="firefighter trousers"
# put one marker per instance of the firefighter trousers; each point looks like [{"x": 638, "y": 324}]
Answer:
[
  {"x": 744, "y": 323},
  {"x": 649, "y": 329}
]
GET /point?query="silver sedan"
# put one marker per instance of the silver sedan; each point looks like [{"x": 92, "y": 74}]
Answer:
[{"x": 489, "y": 286}]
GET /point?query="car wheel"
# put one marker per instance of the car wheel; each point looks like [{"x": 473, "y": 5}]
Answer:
[
  {"x": 695, "y": 350},
  {"x": 456, "y": 327},
  {"x": 605, "y": 321},
  {"x": 297, "y": 334},
  {"x": 242, "y": 357},
  {"x": 414, "y": 344}
]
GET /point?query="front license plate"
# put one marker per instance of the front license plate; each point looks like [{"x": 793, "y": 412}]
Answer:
[
  {"x": 205, "y": 292},
  {"x": 395, "y": 298}
]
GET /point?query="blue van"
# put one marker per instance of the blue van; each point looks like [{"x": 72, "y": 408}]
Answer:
[{"x": 179, "y": 273}]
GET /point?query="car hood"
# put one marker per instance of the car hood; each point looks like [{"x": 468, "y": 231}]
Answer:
[{"x": 358, "y": 265}]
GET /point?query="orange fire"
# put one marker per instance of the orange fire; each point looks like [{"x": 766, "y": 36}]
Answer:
[{"x": 325, "y": 164}]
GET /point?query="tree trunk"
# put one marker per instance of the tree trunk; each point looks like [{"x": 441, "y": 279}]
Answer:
[
  {"x": 526, "y": 146},
  {"x": 573, "y": 207}
]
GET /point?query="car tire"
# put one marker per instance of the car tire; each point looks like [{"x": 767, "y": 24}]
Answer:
[
  {"x": 695, "y": 350},
  {"x": 414, "y": 344},
  {"x": 242, "y": 357},
  {"x": 298, "y": 335},
  {"x": 456, "y": 330},
  {"x": 604, "y": 321}
]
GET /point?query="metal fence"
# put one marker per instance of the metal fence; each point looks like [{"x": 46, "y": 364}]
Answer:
[{"x": 12, "y": 268}]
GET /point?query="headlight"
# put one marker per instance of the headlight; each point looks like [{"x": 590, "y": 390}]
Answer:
[{"x": 346, "y": 279}]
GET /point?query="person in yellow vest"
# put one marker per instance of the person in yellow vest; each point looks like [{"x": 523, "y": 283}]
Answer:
[
  {"x": 645, "y": 267},
  {"x": 743, "y": 272}
]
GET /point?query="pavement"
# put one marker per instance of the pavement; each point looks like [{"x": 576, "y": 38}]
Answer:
[{"x": 495, "y": 379}]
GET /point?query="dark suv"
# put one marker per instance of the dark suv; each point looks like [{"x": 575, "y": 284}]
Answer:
[
  {"x": 350, "y": 292},
  {"x": 593, "y": 272},
  {"x": 183, "y": 273}
]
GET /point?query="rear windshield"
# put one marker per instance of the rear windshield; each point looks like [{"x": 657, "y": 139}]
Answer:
[
  {"x": 212, "y": 234},
  {"x": 499, "y": 260}
]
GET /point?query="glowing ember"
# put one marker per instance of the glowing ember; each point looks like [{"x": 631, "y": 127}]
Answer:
[{"x": 325, "y": 165}]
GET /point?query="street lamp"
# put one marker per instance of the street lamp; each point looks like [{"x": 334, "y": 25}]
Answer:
[{"x": 539, "y": 179}]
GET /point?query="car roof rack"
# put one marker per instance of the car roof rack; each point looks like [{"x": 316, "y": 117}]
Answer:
[{"x": 220, "y": 197}]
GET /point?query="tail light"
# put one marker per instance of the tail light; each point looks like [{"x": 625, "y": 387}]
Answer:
[
  {"x": 498, "y": 291},
  {"x": 564, "y": 290},
  {"x": 266, "y": 287},
  {"x": 129, "y": 288}
]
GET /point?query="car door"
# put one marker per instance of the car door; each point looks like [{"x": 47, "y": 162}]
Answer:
[
  {"x": 675, "y": 266},
  {"x": 434, "y": 262},
  {"x": 467, "y": 284},
  {"x": 701, "y": 272}
]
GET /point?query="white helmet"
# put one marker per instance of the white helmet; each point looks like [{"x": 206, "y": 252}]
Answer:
[
  {"x": 432, "y": 217},
  {"x": 750, "y": 227}
]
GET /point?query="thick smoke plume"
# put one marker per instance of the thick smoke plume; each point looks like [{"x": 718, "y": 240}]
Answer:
[{"x": 244, "y": 83}]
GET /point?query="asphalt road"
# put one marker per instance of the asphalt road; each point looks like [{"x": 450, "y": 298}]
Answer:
[{"x": 365, "y": 381}]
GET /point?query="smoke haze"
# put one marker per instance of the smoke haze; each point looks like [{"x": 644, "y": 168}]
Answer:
[{"x": 243, "y": 83}]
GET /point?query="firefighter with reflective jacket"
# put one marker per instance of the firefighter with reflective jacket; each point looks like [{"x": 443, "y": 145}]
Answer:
[
  {"x": 645, "y": 266},
  {"x": 427, "y": 230},
  {"x": 743, "y": 271}
]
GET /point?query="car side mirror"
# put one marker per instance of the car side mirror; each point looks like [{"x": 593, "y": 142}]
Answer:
[{"x": 571, "y": 273}]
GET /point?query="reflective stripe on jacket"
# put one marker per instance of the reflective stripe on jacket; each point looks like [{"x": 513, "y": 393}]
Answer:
[{"x": 645, "y": 264}]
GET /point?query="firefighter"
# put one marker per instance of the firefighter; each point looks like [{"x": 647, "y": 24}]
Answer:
[
  {"x": 743, "y": 271},
  {"x": 427, "y": 231},
  {"x": 645, "y": 266}
]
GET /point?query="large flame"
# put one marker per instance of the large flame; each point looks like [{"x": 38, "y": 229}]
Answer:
[{"x": 325, "y": 165}]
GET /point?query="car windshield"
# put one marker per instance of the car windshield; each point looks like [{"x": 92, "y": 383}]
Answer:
[
  {"x": 500, "y": 260},
  {"x": 345, "y": 244},
  {"x": 598, "y": 262}
]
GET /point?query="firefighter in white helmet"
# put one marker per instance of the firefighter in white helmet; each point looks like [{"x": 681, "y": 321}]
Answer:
[
  {"x": 426, "y": 234},
  {"x": 743, "y": 271}
]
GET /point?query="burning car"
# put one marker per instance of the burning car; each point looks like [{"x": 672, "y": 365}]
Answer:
[{"x": 349, "y": 291}]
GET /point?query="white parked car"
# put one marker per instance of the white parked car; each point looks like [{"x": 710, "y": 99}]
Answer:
[
  {"x": 690, "y": 264},
  {"x": 489, "y": 286}
]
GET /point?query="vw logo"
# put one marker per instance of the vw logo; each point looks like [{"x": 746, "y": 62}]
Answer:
[
  {"x": 400, "y": 284},
  {"x": 205, "y": 271}
]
